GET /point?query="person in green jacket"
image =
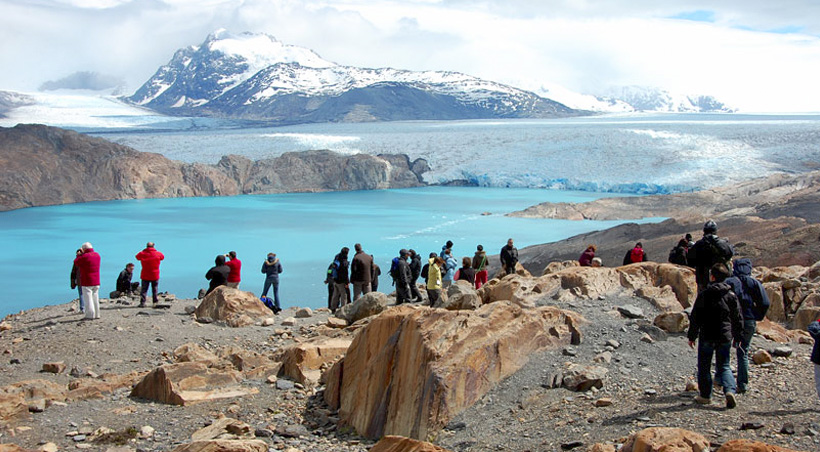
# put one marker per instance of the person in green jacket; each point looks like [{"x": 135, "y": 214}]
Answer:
[{"x": 434, "y": 279}]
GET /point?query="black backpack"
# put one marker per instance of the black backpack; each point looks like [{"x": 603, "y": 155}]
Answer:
[
  {"x": 760, "y": 304},
  {"x": 425, "y": 271}
]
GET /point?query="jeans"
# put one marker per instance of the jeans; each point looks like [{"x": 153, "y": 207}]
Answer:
[
  {"x": 144, "y": 291},
  {"x": 743, "y": 354},
  {"x": 82, "y": 305},
  {"x": 92, "y": 301},
  {"x": 722, "y": 353},
  {"x": 272, "y": 282}
]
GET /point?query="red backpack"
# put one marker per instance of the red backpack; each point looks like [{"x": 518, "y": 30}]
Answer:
[{"x": 636, "y": 255}]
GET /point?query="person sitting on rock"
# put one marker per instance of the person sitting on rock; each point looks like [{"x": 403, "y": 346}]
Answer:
[
  {"x": 124, "y": 284},
  {"x": 235, "y": 276},
  {"x": 635, "y": 255},
  {"x": 707, "y": 252},
  {"x": 218, "y": 274},
  {"x": 586, "y": 257},
  {"x": 715, "y": 323},
  {"x": 754, "y": 302},
  {"x": 466, "y": 272}
]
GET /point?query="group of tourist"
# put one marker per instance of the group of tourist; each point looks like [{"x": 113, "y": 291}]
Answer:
[{"x": 438, "y": 273}]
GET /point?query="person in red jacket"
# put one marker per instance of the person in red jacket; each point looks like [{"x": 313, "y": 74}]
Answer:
[
  {"x": 149, "y": 259},
  {"x": 236, "y": 268},
  {"x": 88, "y": 264}
]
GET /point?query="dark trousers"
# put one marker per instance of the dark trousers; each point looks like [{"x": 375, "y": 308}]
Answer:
[
  {"x": 433, "y": 295},
  {"x": 144, "y": 291},
  {"x": 723, "y": 373},
  {"x": 415, "y": 295},
  {"x": 402, "y": 293}
]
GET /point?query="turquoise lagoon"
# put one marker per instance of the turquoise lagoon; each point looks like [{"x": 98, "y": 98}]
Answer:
[{"x": 305, "y": 230}]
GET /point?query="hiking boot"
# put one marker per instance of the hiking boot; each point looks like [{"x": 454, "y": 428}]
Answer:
[
  {"x": 702, "y": 400},
  {"x": 730, "y": 401}
]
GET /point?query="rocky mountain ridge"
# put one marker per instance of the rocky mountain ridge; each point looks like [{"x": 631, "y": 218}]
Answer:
[
  {"x": 43, "y": 165},
  {"x": 253, "y": 76}
]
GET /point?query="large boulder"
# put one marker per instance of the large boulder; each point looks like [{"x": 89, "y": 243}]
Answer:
[
  {"x": 672, "y": 322},
  {"x": 392, "y": 443},
  {"x": 305, "y": 361},
  {"x": 224, "y": 445},
  {"x": 367, "y": 305},
  {"x": 250, "y": 363},
  {"x": 191, "y": 352},
  {"x": 804, "y": 316},
  {"x": 748, "y": 445},
  {"x": 588, "y": 282},
  {"x": 16, "y": 398},
  {"x": 680, "y": 279},
  {"x": 460, "y": 295},
  {"x": 12, "y": 405},
  {"x": 518, "y": 289},
  {"x": 665, "y": 439},
  {"x": 555, "y": 267},
  {"x": 97, "y": 388},
  {"x": 191, "y": 382},
  {"x": 224, "y": 428},
  {"x": 232, "y": 306},
  {"x": 411, "y": 369},
  {"x": 777, "y": 309}
]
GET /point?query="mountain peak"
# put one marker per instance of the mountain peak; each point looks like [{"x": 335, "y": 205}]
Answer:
[{"x": 260, "y": 50}]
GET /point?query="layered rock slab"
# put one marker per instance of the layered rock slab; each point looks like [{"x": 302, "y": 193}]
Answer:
[
  {"x": 190, "y": 382},
  {"x": 401, "y": 444},
  {"x": 232, "y": 306},
  {"x": 411, "y": 369}
]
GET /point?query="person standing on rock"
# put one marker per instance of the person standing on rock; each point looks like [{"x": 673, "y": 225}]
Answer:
[
  {"x": 272, "y": 268},
  {"x": 374, "y": 275},
  {"x": 814, "y": 331},
  {"x": 635, "y": 255},
  {"x": 403, "y": 277},
  {"x": 707, "y": 252},
  {"x": 235, "y": 277},
  {"x": 75, "y": 280},
  {"x": 149, "y": 259},
  {"x": 415, "y": 272},
  {"x": 679, "y": 253},
  {"x": 509, "y": 257},
  {"x": 218, "y": 274},
  {"x": 434, "y": 266},
  {"x": 361, "y": 272},
  {"x": 88, "y": 264},
  {"x": 124, "y": 284},
  {"x": 716, "y": 323},
  {"x": 450, "y": 267},
  {"x": 754, "y": 302},
  {"x": 466, "y": 272},
  {"x": 341, "y": 279},
  {"x": 447, "y": 246},
  {"x": 586, "y": 257},
  {"x": 480, "y": 266}
]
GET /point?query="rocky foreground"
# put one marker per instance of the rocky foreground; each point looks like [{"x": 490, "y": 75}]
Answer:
[
  {"x": 41, "y": 165},
  {"x": 571, "y": 358}
]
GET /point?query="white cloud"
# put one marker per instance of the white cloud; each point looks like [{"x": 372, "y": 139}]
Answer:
[{"x": 728, "y": 51}]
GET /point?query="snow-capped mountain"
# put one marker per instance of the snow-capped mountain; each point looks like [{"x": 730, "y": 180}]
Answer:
[
  {"x": 656, "y": 99},
  {"x": 253, "y": 76}
]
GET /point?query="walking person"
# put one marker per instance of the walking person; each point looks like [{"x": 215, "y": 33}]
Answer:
[
  {"x": 754, "y": 302},
  {"x": 466, "y": 272},
  {"x": 75, "y": 280},
  {"x": 415, "y": 272},
  {"x": 716, "y": 324},
  {"x": 361, "y": 272},
  {"x": 271, "y": 267},
  {"x": 235, "y": 277},
  {"x": 149, "y": 259},
  {"x": 341, "y": 280},
  {"x": 509, "y": 257},
  {"x": 635, "y": 255},
  {"x": 480, "y": 266},
  {"x": 434, "y": 266},
  {"x": 88, "y": 265},
  {"x": 218, "y": 274},
  {"x": 708, "y": 251}
]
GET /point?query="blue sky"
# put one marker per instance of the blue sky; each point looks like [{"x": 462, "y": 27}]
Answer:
[{"x": 753, "y": 55}]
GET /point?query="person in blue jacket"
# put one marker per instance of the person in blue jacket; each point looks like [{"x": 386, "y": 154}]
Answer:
[{"x": 272, "y": 268}]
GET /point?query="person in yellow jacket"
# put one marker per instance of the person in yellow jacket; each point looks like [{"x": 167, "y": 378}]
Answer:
[{"x": 434, "y": 279}]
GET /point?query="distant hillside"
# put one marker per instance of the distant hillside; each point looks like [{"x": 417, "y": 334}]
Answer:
[
  {"x": 253, "y": 76},
  {"x": 41, "y": 165}
]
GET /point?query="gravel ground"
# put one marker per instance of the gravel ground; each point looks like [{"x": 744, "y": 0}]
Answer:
[{"x": 645, "y": 382}]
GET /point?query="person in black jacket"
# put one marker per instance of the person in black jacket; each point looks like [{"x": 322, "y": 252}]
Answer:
[
  {"x": 341, "y": 280},
  {"x": 403, "y": 277},
  {"x": 749, "y": 292},
  {"x": 124, "y": 284},
  {"x": 509, "y": 257},
  {"x": 415, "y": 272},
  {"x": 218, "y": 274},
  {"x": 361, "y": 272},
  {"x": 679, "y": 252},
  {"x": 716, "y": 324},
  {"x": 707, "y": 252}
]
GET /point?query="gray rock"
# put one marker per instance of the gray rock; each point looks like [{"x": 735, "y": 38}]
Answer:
[
  {"x": 631, "y": 312},
  {"x": 613, "y": 343},
  {"x": 190, "y": 309},
  {"x": 303, "y": 313},
  {"x": 284, "y": 385},
  {"x": 460, "y": 295},
  {"x": 582, "y": 378},
  {"x": 783, "y": 352},
  {"x": 569, "y": 351},
  {"x": 752, "y": 425},
  {"x": 292, "y": 431},
  {"x": 654, "y": 332},
  {"x": 367, "y": 305}
]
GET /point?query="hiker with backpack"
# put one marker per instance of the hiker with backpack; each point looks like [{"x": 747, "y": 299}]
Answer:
[
  {"x": 400, "y": 271},
  {"x": 635, "y": 255},
  {"x": 341, "y": 280},
  {"x": 708, "y": 251},
  {"x": 754, "y": 302},
  {"x": 415, "y": 272},
  {"x": 480, "y": 266},
  {"x": 679, "y": 252}
]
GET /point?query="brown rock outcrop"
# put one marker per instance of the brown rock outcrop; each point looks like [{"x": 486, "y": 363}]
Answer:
[
  {"x": 411, "y": 369},
  {"x": 392, "y": 443},
  {"x": 41, "y": 165},
  {"x": 304, "y": 362},
  {"x": 232, "y": 306},
  {"x": 224, "y": 428},
  {"x": 186, "y": 383},
  {"x": 666, "y": 439},
  {"x": 96, "y": 388},
  {"x": 747, "y": 445},
  {"x": 224, "y": 445}
]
